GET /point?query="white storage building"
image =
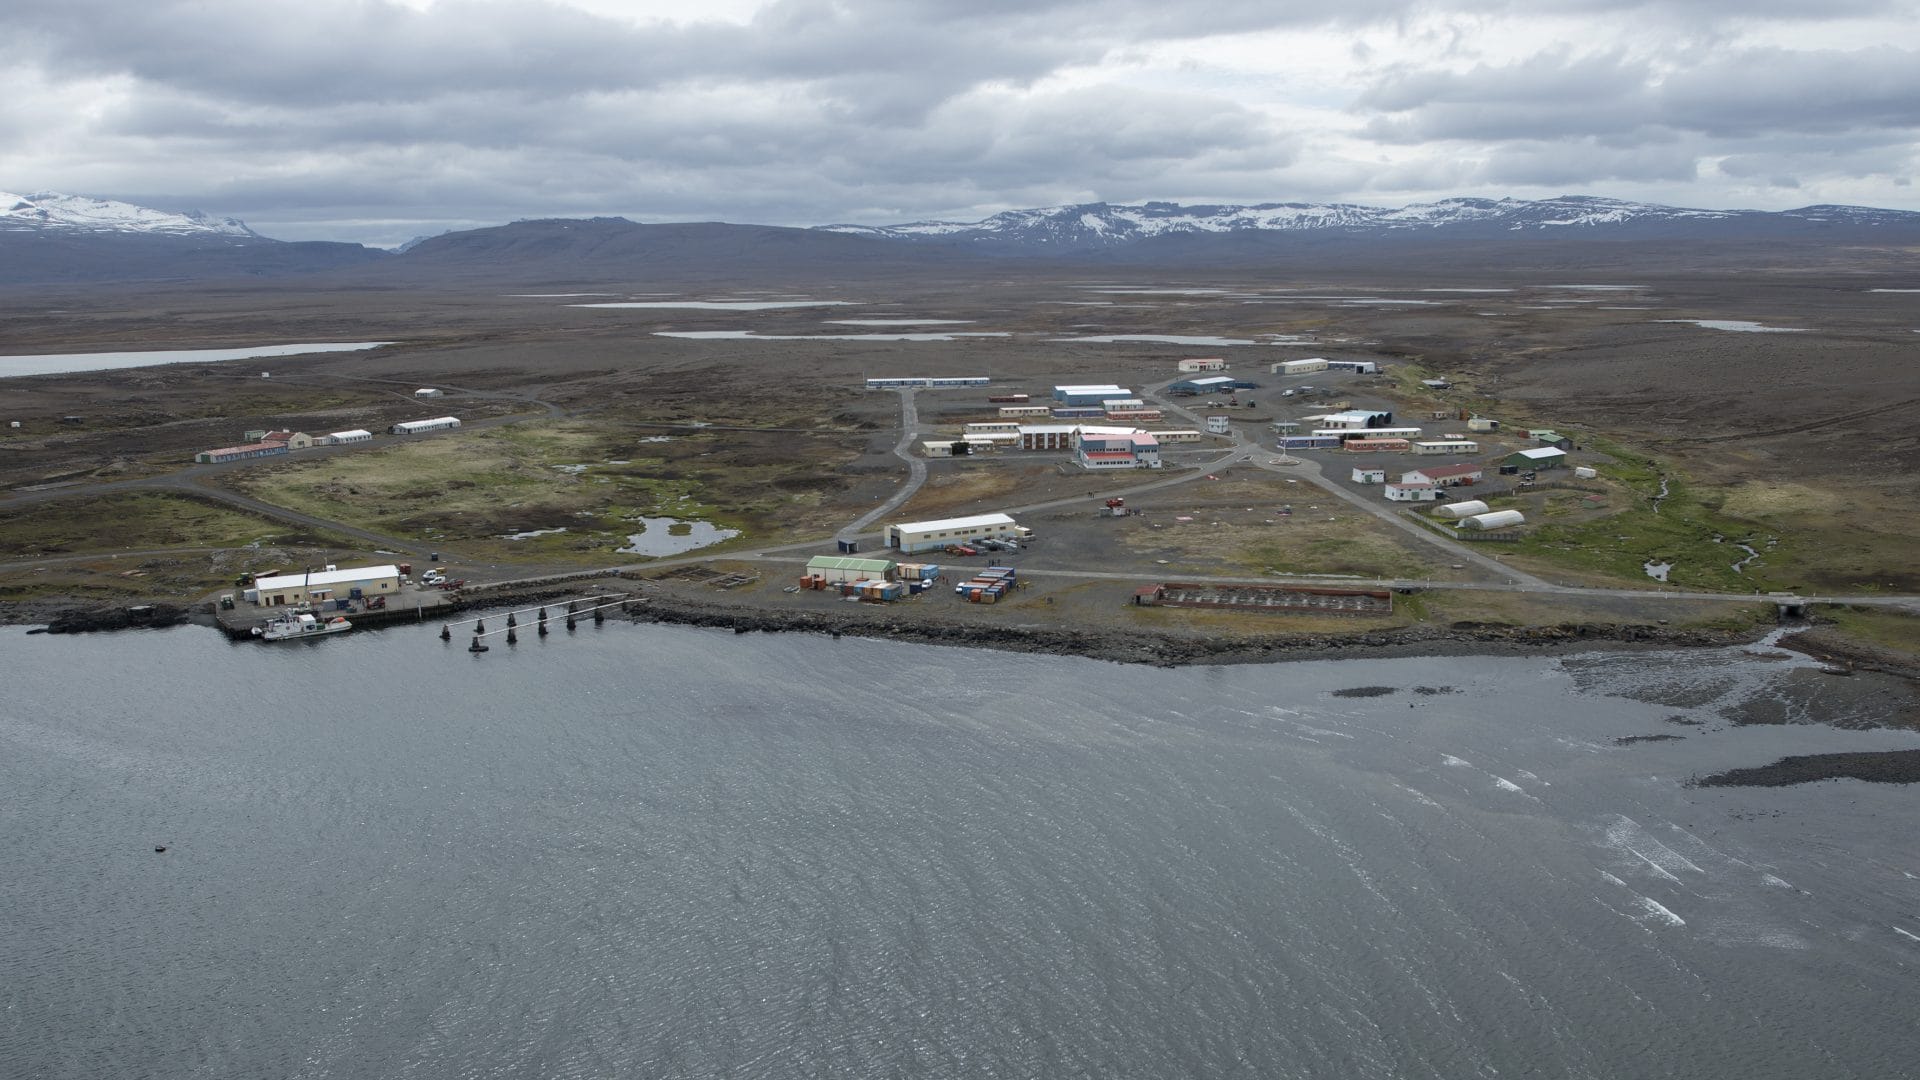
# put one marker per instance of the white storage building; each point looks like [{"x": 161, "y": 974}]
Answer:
[
  {"x": 839, "y": 568},
  {"x": 912, "y": 536},
  {"x": 1300, "y": 367},
  {"x": 1459, "y": 510},
  {"x": 1205, "y": 364},
  {"x": 1405, "y": 491},
  {"x": 340, "y": 438},
  {"x": 328, "y": 584},
  {"x": 415, "y": 427},
  {"x": 428, "y": 391}
]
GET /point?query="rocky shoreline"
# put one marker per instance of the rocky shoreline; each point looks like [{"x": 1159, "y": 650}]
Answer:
[
  {"x": 1118, "y": 645},
  {"x": 1168, "y": 650}
]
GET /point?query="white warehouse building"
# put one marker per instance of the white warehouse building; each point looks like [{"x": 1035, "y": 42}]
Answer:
[
  {"x": 1300, "y": 367},
  {"x": 912, "y": 536},
  {"x": 415, "y": 427}
]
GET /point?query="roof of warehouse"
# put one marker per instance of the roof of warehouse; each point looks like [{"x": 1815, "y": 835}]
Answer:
[
  {"x": 328, "y": 577},
  {"x": 1540, "y": 453},
  {"x": 847, "y": 562},
  {"x": 973, "y": 522},
  {"x": 355, "y": 431},
  {"x": 1093, "y": 388},
  {"x": 1441, "y": 471},
  {"x": 247, "y": 448}
]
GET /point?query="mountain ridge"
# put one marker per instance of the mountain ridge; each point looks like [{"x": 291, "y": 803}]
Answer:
[
  {"x": 1100, "y": 226},
  {"x": 47, "y": 238}
]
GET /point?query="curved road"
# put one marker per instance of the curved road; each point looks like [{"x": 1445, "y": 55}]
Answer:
[{"x": 916, "y": 469}]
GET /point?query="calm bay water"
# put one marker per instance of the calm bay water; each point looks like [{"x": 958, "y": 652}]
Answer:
[{"x": 646, "y": 851}]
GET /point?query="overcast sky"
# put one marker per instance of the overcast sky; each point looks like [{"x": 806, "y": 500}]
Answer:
[{"x": 377, "y": 120}]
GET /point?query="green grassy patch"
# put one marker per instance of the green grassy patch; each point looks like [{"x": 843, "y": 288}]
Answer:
[
  {"x": 1681, "y": 531},
  {"x": 142, "y": 522},
  {"x": 590, "y": 478},
  {"x": 1892, "y": 630}
]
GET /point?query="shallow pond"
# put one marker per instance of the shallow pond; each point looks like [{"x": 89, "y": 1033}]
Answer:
[
  {"x": 671, "y": 536},
  {"x": 1740, "y": 326}
]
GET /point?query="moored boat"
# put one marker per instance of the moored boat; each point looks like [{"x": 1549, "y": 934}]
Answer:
[{"x": 287, "y": 627}]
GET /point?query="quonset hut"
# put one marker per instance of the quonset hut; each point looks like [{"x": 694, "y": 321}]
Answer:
[
  {"x": 415, "y": 427},
  {"x": 1498, "y": 519}
]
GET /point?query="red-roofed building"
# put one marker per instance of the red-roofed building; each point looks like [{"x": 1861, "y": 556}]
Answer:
[
  {"x": 1445, "y": 475},
  {"x": 1138, "y": 450}
]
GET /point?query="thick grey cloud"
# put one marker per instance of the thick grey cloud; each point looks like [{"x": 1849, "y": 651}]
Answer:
[{"x": 377, "y": 119}]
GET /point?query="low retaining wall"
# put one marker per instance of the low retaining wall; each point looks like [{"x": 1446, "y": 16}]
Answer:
[{"x": 1290, "y": 598}]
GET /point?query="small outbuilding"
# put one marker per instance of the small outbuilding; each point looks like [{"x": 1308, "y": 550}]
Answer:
[
  {"x": 429, "y": 392},
  {"x": 357, "y": 435},
  {"x": 1369, "y": 476},
  {"x": 1205, "y": 364}
]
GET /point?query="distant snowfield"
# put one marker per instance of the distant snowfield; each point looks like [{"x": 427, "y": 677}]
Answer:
[
  {"x": 749, "y": 335},
  {"x": 720, "y": 305},
  {"x": 68, "y": 363},
  {"x": 1740, "y": 326},
  {"x": 1598, "y": 288},
  {"x": 1895, "y": 290},
  {"x": 554, "y": 295}
]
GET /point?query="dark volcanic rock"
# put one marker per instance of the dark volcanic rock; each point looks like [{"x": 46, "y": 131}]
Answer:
[
  {"x": 1881, "y": 767},
  {"x": 127, "y": 618}
]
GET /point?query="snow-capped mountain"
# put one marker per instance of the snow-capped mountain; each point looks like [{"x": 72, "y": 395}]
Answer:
[
  {"x": 50, "y": 211},
  {"x": 1097, "y": 226}
]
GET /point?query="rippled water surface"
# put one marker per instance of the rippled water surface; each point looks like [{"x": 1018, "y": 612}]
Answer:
[{"x": 642, "y": 851}]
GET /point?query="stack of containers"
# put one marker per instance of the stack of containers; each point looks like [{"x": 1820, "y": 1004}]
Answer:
[{"x": 989, "y": 586}]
